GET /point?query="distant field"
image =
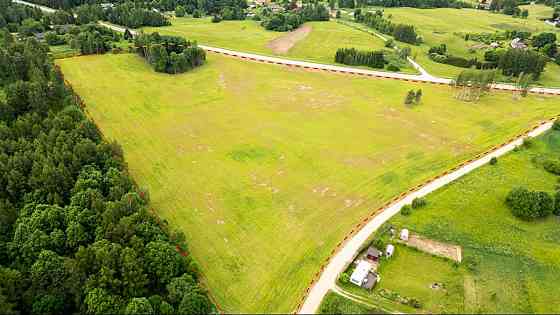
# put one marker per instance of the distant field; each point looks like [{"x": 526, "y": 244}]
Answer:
[
  {"x": 319, "y": 45},
  {"x": 438, "y": 25},
  {"x": 256, "y": 162},
  {"x": 510, "y": 266}
]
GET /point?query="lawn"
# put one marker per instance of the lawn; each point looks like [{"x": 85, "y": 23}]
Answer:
[
  {"x": 410, "y": 274},
  {"x": 514, "y": 265},
  {"x": 334, "y": 303},
  {"x": 437, "y": 26},
  {"x": 320, "y": 45},
  {"x": 255, "y": 162}
]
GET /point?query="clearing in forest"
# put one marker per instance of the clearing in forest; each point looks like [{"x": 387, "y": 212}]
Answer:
[{"x": 254, "y": 162}]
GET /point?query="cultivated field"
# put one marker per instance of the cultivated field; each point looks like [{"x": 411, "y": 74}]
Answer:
[
  {"x": 437, "y": 26},
  {"x": 318, "y": 45},
  {"x": 510, "y": 266},
  {"x": 266, "y": 168}
]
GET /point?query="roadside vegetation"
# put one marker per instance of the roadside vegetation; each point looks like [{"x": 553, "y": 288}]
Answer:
[
  {"x": 248, "y": 136},
  {"x": 334, "y": 303}
]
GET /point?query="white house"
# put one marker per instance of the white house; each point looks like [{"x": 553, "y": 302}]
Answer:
[
  {"x": 389, "y": 250},
  {"x": 360, "y": 273},
  {"x": 404, "y": 234}
]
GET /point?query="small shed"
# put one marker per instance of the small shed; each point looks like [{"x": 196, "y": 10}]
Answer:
[
  {"x": 360, "y": 273},
  {"x": 373, "y": 253},
  {"x": 389, "y": 250},
  {"x": 371, "y": 279},
  {"x": 404, "y": 234}
]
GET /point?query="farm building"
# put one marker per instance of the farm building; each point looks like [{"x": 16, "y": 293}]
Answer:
[
  {"x": 373, "y": 253},
  {"x": 360, "y": 273},
  {"x": 404, "y": 234},
  {"x": 371, "y": 279},
  {"x": 389, "y": 250}
]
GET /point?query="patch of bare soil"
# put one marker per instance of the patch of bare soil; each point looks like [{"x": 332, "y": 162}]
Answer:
[
  {"x": 450, "y": 251},
  {"x": 283, "y": 44}
]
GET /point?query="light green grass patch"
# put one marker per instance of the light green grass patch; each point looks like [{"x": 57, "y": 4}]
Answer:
[
  {"x": 320, "y": 45},
  {"x": 437, "y": 26},
  {"x": 514, "y": 263},
  {"x": 266, "y": 168},
  {"x": 334, "y": 303}
]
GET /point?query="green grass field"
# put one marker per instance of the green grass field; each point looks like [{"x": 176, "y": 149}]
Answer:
[
  {"x": 514, "y": 265},
  {"x": 320, "y": 45},
  {"x": 438, "y": 25},
  {"x": 410, "y": 274},
  {"x": 334, "y": 303},
  {"x": 255, "y": 162}
]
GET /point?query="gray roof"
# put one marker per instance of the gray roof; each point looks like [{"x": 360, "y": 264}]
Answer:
[
  {"x": 371, "y": 279},
  {"x": 372, "y": 251}
]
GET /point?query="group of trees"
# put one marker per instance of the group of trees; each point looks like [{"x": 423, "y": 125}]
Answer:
[
  {"x": 401, "y": 32},
  {"x": 169, "y": 54},
  {"x": 471, "y": 84},
  {"x": 20, "y": 18},
  {"x": 513, "y": 62},
  {"x": 439, "y": 54},
  {"x": 135, "y": 15},
  {"x": 529, "y": 205},
  {"x": 292, "y": 19},
  {"x": 88, "y": 39},
  {"x": 413, "y": 98},
  {"x": 354, "y": 57},
  {"x": 423, "y": 4},
  {"x": 76, "y": 236},
  {"x": 508, "y": 7}
]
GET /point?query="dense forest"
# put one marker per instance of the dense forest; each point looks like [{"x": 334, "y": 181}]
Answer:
[
  {"x": 76, "y": 234},
  {"x": 170, "y": 54}
]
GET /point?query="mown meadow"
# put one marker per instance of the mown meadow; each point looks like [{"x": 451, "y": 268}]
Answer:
[{"x": 266, "y": 168}]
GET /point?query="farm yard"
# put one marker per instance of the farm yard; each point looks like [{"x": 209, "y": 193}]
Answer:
[
  {"x": 510, "y": 265},
  {"x": 254, "y": 162},
  {"x": 315, "y": 41},
  {"x": 440, "y": 26}
]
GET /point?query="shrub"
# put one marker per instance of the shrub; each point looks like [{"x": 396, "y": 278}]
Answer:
[
  {"x": 493, "y": 161},
  {"x": 552, "y": 166},
  {"x": 556, "y": 125},
  {"x": 344, "y": 278},
  {"x": 557, "y": 203},
  {"x": 393, "y": 67},
  {"x": 419, "y": 203},
  {"x": 406, "y": 210},
  {"x": 216, "y": 19},
  {"x": 180, "y": 11},
  {"x": 527, "y": 143},
  {"x": 529, "y": 205},
  {"x": 197, "y": 14},
  {"x": 390, "y": 43}
]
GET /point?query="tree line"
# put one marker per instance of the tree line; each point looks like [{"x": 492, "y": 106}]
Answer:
[
  {"x": 292, "y": 19},
  {"x": 401, "y": 32},
  {"x": 354, "y": 57},
  {"x": 76, "y": 235},
  {"x": 88, "y": 39},
  {"x": 169, "y": 54},
  {"x": 423, "y": 4}
]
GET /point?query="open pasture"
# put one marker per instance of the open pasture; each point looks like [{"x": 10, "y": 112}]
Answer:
[
  {"x": 266, "y": 168},
  {"x": 437, "y": 26},
  {"x": 317, "y": 45},
  {"x": 510, "y": 265}
]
